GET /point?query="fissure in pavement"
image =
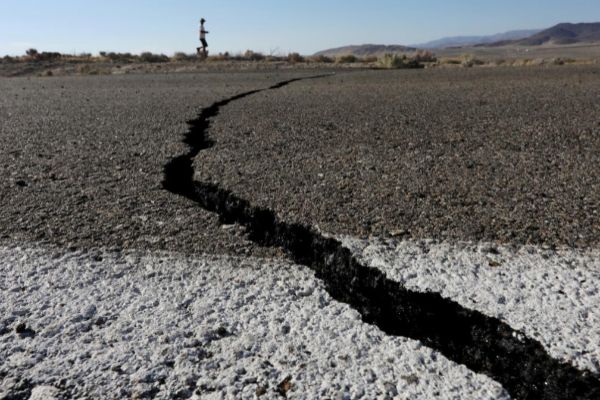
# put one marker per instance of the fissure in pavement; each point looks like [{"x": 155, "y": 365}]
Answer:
[{"x": 484, "y": 344}]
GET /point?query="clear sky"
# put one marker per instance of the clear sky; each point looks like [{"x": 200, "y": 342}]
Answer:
[{"x": 270, "y": 26}]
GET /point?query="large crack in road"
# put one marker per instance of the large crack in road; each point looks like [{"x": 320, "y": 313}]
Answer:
[{"x": 485, "y": 345}]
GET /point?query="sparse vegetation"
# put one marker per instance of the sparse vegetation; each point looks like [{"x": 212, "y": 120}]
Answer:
[
  {"x": 424, "y": 57},
  {"x": 250, "y": 55},
  {"x": 181, "y": 56},
  {"x": 346, "y": 59},
  {"x": 219, "y": 57},
  {"x": 390, "y": 61},
  {"x": 8, "y": 59},
  {"x": 369, "y": 60},
  {"x": 43, "y": 63},
  {"x": 31, "y": 53},
  {"x": 272, "y": 58},
  {"x": 89, "y": 69},
  {"x": 396, "y": 61},
  {"x": 321, "y": 59},
  {"x": 469, "y": 61},
  {"x": 295, "y": 58},
  {"x": 450, "y": 61},
  {"x": 118, "y": 57},
  {"x": 466, "y": 61},
  {"x": 563, "y": 61},
  {"x": 153, "y": 58},
  {"x": 34, "y": 55}
]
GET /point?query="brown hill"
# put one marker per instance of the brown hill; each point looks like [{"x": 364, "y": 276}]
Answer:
[
  {"x": 560, "y": 34},
  {"x": 366, "y": 50}
]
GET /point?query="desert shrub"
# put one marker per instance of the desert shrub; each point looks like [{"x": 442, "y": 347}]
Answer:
[
  {"x": 103, "y": 54},
  {"x": 451, "y": 61},
  {"x": 295, "y": 58},
  {"x": 34, "y": 55},
  {"x": 395, "y": 61},
  {"x": 85, "y": 69},
  {"x": 369, "y": 59},
  {"x": 321, "y": 59},
  {"x": 220, "y": 57},
  {"x": 274, "y": 58},
  {"x": 469, "y": 61},
  {"x": 181, "y": 56},
  {"x": 88, "y": 69},
  {"x": 253, "y": 56},
  {"x": 237, "y": 57},
  {"x": 563, "y": 61},
  {"x": 424, "y": 57},
  {"x": 153, "y": 58},
  {"x": 523, "y": 62},
  {"x": 121, "y": 57},
  {"x": 346, "y": 59},
  {"x": 225, "y": 56},
  {"x": 391, "y": 61},
  {"x": 8, "y": 59},
  {"x": 538, "y": 61},
  {"x": 48, "y": 56}
]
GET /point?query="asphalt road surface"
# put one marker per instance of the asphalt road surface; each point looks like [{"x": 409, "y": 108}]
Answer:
[
  {"x": 150, "y": 244},
  {"x": 506, "y": 155},
  {"x": 83, "y": 158}
]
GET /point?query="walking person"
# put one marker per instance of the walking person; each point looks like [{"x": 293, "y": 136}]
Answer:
[{"x": 203, "y": 41}]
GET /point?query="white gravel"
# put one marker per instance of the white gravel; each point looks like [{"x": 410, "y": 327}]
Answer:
[
  {"x": 550, "y": 295},
  {"x": 111, "y": 325}
]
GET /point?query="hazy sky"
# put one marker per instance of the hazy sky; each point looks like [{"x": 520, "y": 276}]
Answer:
[{"x": 270, "y": 26}]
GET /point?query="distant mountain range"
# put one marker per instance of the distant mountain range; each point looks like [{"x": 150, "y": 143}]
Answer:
[
  {"x": 560, "y": 34},
  {"x": 462, "y": 41}
]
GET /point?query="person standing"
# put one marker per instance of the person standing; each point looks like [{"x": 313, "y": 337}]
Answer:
[{"x": 203, "y": 33}]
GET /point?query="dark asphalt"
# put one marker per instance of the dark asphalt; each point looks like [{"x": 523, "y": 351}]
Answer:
[
  {"x": 82, "y": 161},
  {"x": 505, "y": 155}
]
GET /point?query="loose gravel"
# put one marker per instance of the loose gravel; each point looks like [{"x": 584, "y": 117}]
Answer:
[
  {"x": 483, "y": 344},
  {"x": 82, "y": 161},
  {"x": 508, "y": 155},
  {"x": 502, "y": 155}
]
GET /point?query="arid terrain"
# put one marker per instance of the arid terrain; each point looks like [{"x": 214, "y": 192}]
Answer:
[
  {"x": 503, "y": 155},
  {"x": 583, "y": 52},
  {"x": 294, "y": 232}
]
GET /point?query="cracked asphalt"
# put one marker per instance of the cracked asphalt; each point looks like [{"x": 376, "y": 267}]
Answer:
[
  {"x": 501, "y": 155},
  {"x": 82, "y": 161},
  {"x": 507, "y": 155}
]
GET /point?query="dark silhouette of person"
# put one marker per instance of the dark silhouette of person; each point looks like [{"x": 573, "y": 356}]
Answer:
[{"x": 203, "y": 33}]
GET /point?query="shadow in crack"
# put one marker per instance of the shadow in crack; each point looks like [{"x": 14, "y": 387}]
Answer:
[{"x": 485, "y": 345}]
